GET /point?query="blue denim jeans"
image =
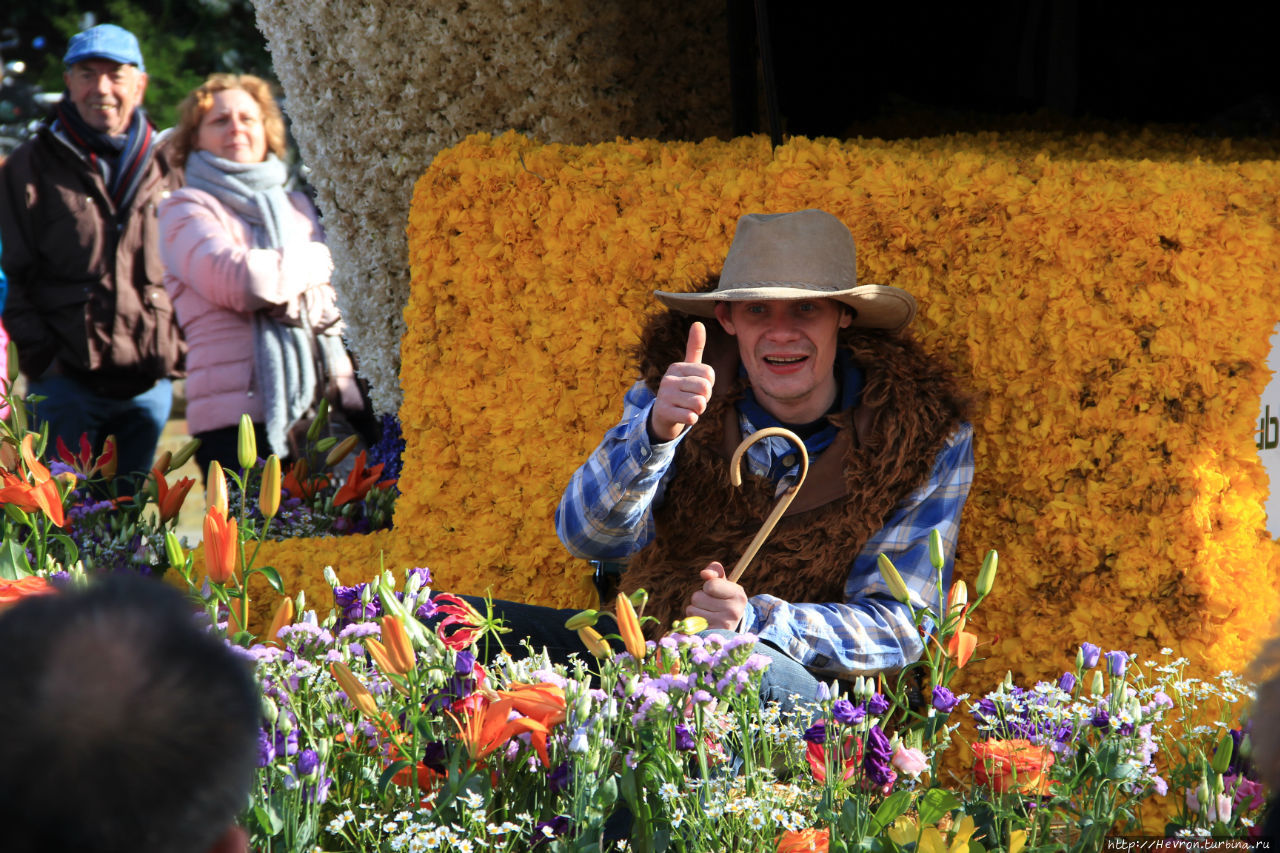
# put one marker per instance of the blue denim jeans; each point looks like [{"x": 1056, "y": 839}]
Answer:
[
  {"x": 786, "y": 681},
  {"x": 71, "y": 408}
]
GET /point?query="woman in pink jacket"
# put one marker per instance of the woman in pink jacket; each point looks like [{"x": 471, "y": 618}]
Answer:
[{"x": 248, "y": 272}]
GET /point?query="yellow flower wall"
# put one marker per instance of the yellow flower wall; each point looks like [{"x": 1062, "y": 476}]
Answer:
[{"x": 1113, "y": 311}]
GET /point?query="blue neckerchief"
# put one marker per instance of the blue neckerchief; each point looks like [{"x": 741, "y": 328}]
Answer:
[{"x": 850, "y": 379}]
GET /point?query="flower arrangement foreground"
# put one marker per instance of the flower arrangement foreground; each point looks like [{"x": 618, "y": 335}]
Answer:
[{"x": 1112, "y": 312}]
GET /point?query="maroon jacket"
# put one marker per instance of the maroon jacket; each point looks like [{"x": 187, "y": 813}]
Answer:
[{"x": 86, "y": 284}]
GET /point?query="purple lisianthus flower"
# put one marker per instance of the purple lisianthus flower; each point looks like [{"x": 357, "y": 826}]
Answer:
[
  {"x": 1089, "y": 654},
  {"x": 435, "y": 756},
  {"x": 848, "y": 713},
  {"x": 1117, "y": 662},
  {"x": 426, "y": 609},
  {"x": 944, "y": 700},
  {"x": 464, "y": 663},
  {"x": 877, "y": 704},
  {"x": 559, "y": 778},
  {"x": 1068, "y": 682},
  {"x": 877, "y": 758},
  {"x": 817, "y": 733},
  {"x": 548, "y": 829},
  {"x": 353, "y": 609},
  {"x": 266, "y": 748},
  {"x": 1101, "y": 719},
  {"x": 308, "y": 762},
  {"x": 684, "y": 738}
]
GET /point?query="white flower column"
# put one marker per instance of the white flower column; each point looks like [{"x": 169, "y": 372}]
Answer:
[{"x": 374, "y": 88}]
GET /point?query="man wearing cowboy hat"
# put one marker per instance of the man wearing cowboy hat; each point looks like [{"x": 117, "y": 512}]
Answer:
[{"x": 797, "y": 343}]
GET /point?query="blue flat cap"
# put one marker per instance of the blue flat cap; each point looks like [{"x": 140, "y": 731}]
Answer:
[{"x": 105, "y": 41}]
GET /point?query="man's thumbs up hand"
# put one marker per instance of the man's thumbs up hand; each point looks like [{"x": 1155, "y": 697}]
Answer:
[{"x": 684, "y": 391}]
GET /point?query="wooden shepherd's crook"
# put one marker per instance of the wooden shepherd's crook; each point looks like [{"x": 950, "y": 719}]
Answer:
[{"x": 735, "y": 477}]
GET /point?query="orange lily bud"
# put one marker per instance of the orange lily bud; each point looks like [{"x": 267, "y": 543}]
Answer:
[
  {"x": 220, "y": 540},
  {"x": 282, "y": 619},
  {"x": 629, "y": 628},
  {"x": 957, "y": 604},
  {"x": 246, "y": 443},
  {"x": 269, "y": 496},
  {"x": 162, "y": 461},
  {"x": 398, "y": 645},
  {"x": 359, "y": 695},
  {"x": 382, "y": 658},
  {"x": 184, "y": 453},
  {"x": 216, "y": 488},
  {"x": 595, "y": 643},
  {"x": 340, "y": 452}
]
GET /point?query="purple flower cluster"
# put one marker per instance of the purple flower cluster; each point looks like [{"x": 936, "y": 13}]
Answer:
[
  {"x": 389, "y": 448},
  {"x": 1034, "y": 715}
]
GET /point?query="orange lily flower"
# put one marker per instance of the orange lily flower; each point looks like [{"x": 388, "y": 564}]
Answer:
[
  {"x": 490, "y": 726},
  {"x": 359, "y": 481},
  {"x": 543, "y": 702},
  {"x": 39, "y": 473},
  {"x": 805, "y": 841},
  {"x": 299, "y": 485},
  {"x": 169, "y": 498},
  {"x": 221, "y": 537},
  {"x": 12, "y": 592},
  {"x": 961, "y": 647},
  {"x": 44, "y": 496},
  {"x": 629, "y": 628}
]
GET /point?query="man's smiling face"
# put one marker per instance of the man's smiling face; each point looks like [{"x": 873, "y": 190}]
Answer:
[
  {"x": 788, "y": 348},
  {"x": 105, "y": 93}
]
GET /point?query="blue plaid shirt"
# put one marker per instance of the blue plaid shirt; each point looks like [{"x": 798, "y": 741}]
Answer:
[{"x": 606, "y": 514}]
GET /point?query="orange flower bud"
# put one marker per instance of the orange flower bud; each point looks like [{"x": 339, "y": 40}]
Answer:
[
  {"x": 398, "y": 646},
  {"x": 629, "y": 628},
  {"x": 359, "y": 695},
  {"x": 282, "y": 619},
  {"x": 269, "y": 495},
  {"x": 215, "y": 487},
  {"x": 221, "y": 537}
]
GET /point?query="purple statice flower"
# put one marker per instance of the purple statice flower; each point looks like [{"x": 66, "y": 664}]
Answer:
[
  {"x": 1117, "y": 662},
  {"x": 684, "y": 738},
  {"x": 848, "y": 713},
  {"x": 817, "y": 733},
  {"x": 560, "y": 778},
  {"x": 877, "y": 704},
  {"x": 1089, "y": 654},
  {"x": 877, "y": 758},
  {"x": 57, "y": 466},
  {"x": 944, "y": 700},
  {"x": 1068, "y": 682}
]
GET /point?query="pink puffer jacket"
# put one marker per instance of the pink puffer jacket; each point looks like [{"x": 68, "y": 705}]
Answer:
[{"x": 216, "y": 282}]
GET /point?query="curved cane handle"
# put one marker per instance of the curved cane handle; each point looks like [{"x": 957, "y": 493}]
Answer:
[{"x": 735, "y": 477}]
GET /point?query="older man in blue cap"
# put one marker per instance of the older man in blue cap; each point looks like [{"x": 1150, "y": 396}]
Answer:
[{"x": 94, "y": 329}]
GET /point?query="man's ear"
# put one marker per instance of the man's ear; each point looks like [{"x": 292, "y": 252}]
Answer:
[
  {"x": 234, "y": 840},
  {"x": 725, "y": 316},
  {"x": 846, "y": 316},
  {"x": 142, "y": 85}
]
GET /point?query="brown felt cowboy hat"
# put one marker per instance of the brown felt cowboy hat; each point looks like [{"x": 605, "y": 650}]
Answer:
[{"x": 803, "y": 255}]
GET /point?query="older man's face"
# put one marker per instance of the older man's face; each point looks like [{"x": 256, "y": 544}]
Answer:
[
  {"x": 788, "y": 348},
  {"x": 105, "y": 93}
]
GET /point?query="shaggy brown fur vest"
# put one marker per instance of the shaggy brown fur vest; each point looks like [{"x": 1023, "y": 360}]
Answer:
[{"x": 885, "y": 449}]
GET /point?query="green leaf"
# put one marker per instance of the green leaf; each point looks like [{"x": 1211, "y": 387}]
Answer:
[
  {"x": 385, "y": 779},
  {"x": 272, "y": 576},
  {"x": 893, "y": 807},
  {"x": 268, "y": 819},
  {"x": 14, "y": 565},
  {"x": 72, "y": 552},
  {"x": 936, "y": 803},
  {"x": 607, "y": 792}
]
